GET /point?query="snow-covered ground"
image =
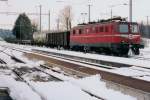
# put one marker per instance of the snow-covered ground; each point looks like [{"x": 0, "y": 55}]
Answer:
[
  {"x": 145, "y": 53},
  {"x": 69, "y": 89},
  {"x": 140, "y": 73},
  {"x": 130, "y": 71},
  {"x": 131, "y": 61}
]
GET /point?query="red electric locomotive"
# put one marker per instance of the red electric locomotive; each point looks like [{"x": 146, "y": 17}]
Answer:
[{"x": 112, "y": 36}]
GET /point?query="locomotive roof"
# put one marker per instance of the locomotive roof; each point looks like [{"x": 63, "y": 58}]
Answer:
[
  {"x": 102, "y": 23},
  {"x": 116, "y": 19}
]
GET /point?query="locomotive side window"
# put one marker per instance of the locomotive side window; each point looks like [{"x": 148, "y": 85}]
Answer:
[
  {"x": 96, "y": 29},
  {"x": 134, "y": 28},
  {"x": 106, "y": 29},
  {"x": 93, "y": 29},
  {"x": 101, "y": 29},
  {"x": 80, "y": 31},
  {"x": 77, "y": 31},
  {"x": 123, "y": 28},
  {"x": 87, "y": 30},
  {"x": 74, "y": 32}
]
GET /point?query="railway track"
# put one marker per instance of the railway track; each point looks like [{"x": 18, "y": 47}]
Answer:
[
  {"x": 105, "y": 72},
  {"x": 141, "y": 58},
  {"x": 2, "y": 62},
  {"x": 93, "y": 62},
  {"x": 98, "y": 63},
  {"x": 107, "y": 75},
  {"x": 19, "y": 72},
  {"x": 20, "y": 78}
]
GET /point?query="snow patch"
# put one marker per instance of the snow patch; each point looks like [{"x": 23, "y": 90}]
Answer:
[{"x": 18, "y": 90}]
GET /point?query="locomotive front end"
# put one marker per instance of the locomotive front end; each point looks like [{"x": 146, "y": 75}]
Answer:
[{"x": 130, "y": 36}]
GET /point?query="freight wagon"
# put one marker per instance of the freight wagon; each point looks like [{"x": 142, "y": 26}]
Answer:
[{"x": 58, "y": 39}]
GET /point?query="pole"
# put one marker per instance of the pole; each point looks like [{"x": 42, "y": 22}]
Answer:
[
  {"x": 84, "y": 16},
  {"x": 49, "y": 21},
  {"x": 89, "y": 12},
  {"x": 111, "y": 13},
  {"x": 130, "y": 10},
  {"x": 147, "y": 18},
  {"x": 58, "y": 24},
  {"x": 40, "y": 17}
]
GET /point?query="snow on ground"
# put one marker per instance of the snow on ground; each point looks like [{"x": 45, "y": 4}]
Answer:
[
  {"x": 4, "y": 55},
  {"x": 134, "y": 73},
  {"x": 123, "y": 71},
  {"x": 131, "y": 61},
  {"x": 145, "y": 53},
  {"x": 70, "y": 89},
  {"x": 61, "y": 91},
  {"x": 18, "y": 90},
  {"x": 96, "y": 86},
  {"x": 146, "y": 42},
  {"x": 73, "y": 87}
]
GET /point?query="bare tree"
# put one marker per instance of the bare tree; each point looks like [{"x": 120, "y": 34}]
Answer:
[
  {"x": 34, "y": 25},
  {"x": 58, "y": 23},
  {"x": 66, "y": 17}
]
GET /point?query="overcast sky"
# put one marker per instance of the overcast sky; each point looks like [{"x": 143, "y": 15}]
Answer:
[{"x": 99, "y": 9}]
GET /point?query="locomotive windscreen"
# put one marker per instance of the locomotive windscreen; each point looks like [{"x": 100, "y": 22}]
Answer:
[
  {"x": 134, "y": 28},
  {"x": 126, "y": 28},
  {"x": 123, "y": 28}
]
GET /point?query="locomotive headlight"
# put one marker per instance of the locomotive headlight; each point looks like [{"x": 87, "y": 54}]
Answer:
[
  {"x": 130, "y": 46},
  {"x": 122, "y": 41},
  {"x": 130, "y": 36}
]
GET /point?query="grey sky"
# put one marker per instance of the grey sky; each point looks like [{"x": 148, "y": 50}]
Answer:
[{"x": 99, "y": 9}]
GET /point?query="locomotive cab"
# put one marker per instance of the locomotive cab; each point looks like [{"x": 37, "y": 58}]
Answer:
[{"x": 129, "y": 36}]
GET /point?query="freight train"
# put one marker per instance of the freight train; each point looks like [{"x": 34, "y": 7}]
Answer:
[{"x": 113, "y": 36}]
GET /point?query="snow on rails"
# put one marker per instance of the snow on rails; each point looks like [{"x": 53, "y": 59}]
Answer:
[{"x": 78, "y": 88}]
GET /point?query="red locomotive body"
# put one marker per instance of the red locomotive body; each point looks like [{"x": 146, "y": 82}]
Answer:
[{"x": 112, "y": 36}]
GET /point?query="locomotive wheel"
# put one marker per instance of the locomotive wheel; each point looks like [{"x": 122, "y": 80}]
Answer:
[
  {"x": 124, "y": 51},
  {"x": 107, "y": 51},
  {"x": 77, "y": 48},
  {"x": 136, "y": 51},
  {"x": 86, "y": 49},
  {"x": 120, "y": 50}
]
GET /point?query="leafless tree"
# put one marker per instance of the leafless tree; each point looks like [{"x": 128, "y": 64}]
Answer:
[
  {"x": 58, "y": 23},
  {"x": 34, "y": 25},
  {"x": 66, "y": 17}
]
